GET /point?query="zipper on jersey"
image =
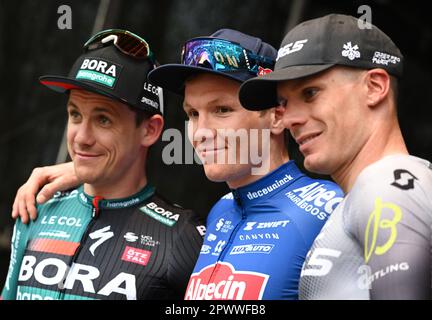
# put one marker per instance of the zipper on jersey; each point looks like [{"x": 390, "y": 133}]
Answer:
[{"x": 95, "y": 214}]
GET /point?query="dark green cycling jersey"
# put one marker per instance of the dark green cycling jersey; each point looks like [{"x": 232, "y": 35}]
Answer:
[{"x": 83, "y": 247}]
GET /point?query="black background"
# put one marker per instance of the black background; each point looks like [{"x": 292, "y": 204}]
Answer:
[{"x": 32, "y": 118}]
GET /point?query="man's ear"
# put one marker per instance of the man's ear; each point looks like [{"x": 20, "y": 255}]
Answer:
[
  {"x": 378, "y": 86},
  {"x": 151, "y": 130},
  {"x": 277, "y": 114}
]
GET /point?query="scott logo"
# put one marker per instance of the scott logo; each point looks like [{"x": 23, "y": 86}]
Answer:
[
  {"x": 227, "y": 284},
  {"x": 290, "y": 48}
]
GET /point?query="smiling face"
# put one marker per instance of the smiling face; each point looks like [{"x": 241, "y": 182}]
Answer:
[
  {"x": 103, "y": 140},
  {"x": 219, "y": 129},
  {"x": 327, "y": 116}
]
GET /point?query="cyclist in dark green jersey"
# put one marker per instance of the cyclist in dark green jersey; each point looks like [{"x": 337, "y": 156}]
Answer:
[{"x": 113, "y": 237}]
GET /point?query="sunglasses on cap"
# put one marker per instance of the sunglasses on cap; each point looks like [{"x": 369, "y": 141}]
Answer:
[
  {"x": 222, "y": 55},
  {"x": 127, "y": 42}
]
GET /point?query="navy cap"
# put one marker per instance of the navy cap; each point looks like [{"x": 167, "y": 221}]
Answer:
[
  {"x": 111, "y": 73},
  {"x": 172, "y": 77},
  {"x": 317, "y": 45}
]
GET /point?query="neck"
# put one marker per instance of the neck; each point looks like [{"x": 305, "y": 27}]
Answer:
[
  {"x": 123, "y": 185},
  {"x": 382, "y": 142},
  {"x": 277, "y": 156}
]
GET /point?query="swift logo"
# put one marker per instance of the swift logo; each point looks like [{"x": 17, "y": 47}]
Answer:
[
  {"x": 290, "y": 48},
  {"x": 103, "y": 235},
  {"x": 249, "y": 226},
  {"x": 227, "y": 284}
]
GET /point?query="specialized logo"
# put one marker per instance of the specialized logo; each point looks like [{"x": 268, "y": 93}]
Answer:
[
  {"x": 350, "y": 51},
  {"x": 99, "y": 71},
  {"x": 266, "y": 225},
  {"x": 63, "y": 277},
  {"x": 160, "y": 214},
  {"x": 135, "y": 255},
  {"x": 276, "y": 185},
  {"x": 291, "y": 48},
  {"x": 384, "y": 58},
  {"x": 375, "y": 223},
  {"x": 221, "y": 281},
  {"x": 102, "y": 235},
  {"x": 252, "y": 248},
  {"x": 262, "y": 71},
  {"x": 403, "y": 179},
  {"x": 315, "y": 199}
]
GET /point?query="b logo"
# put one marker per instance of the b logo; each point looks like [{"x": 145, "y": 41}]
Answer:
[{"x": 375, "y": 223}]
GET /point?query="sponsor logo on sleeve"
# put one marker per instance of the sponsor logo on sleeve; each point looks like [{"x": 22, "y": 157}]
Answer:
[{"x": 160, "y": 214}]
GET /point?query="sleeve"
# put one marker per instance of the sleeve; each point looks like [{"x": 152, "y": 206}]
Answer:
[
  {"x": 18, "y": 246},
  {"x": 393, "y": 227},
  {"x": 186, "y": 247}
]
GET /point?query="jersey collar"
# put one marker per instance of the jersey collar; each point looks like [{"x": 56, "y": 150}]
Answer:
[
  {"x": 268, "y": 185},
  {"x": 138, "y": 197}
]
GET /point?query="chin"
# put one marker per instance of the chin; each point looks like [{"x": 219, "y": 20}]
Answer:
[{"x": 316, "y": 165}]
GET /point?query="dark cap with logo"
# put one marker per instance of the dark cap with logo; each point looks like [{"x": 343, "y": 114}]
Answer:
[
  {"x": 172, "y": 77},
  {"x": 111, "y": 73},
  {"x": 317, "y": 45}
]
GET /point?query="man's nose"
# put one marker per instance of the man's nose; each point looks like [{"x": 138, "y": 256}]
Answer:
[{"x": 84, "y": 134}]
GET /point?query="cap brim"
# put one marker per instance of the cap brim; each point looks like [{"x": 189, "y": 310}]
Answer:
[
  {"x": 64, "y": 84},
  {"x": 261, "y": 92},
  {"x": 172, "y": 77}
]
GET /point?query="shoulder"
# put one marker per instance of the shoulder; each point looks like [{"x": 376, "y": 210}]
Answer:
[
  {"x": 161, "y": 207},
  {"x": 220, "y": 208},
  {"x": 59, "y": 199},
  {"x": 394, "y": 185}
]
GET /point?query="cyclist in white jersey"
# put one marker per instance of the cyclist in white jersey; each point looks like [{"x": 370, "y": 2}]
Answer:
[{"x": 337, "y": 78}]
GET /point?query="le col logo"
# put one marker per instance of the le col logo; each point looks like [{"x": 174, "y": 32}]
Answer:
[
  {"x": 290, "y": 48},
  {"x": 62, "y": 221}
]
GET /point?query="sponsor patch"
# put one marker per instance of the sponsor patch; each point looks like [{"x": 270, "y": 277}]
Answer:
[
  {"x": 100, "y": 71},
  {"x": 252, "y": 248},
  {"x": 226, "y": 284},
  {"x": 62, "y": 247},
  {"x": 135, "y": 255},
  {"x": 160, "y": 214}
]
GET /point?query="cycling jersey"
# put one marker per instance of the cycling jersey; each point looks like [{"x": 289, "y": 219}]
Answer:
[
  {"x": 377, "y": 243},
  {"x": 258, "y": 236},
  {"x": 83, "y": 247}
]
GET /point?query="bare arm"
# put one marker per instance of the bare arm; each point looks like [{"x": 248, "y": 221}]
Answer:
[{"x": 51, "y": 179}]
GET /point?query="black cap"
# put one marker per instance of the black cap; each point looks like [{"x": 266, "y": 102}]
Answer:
[
  {"x": 173, "y": 76},
  {"x": 111, "y": 73},
  {"x": 317, "y": 45}
]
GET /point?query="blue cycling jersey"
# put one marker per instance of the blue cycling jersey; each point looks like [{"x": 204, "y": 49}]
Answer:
[{"x": 258, "y": 237}]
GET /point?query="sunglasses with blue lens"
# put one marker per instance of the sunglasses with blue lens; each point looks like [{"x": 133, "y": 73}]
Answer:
[{"x": 223, "y": 55}]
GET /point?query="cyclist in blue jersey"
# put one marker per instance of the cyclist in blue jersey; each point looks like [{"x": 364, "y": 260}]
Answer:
[{"x": 258, "y": 234}]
